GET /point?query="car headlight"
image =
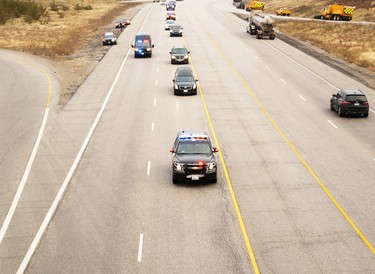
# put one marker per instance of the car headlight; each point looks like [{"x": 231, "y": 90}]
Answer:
[
  {"x": 113, "y": 40},
  {"x": 178, "y": 167},
  {"x": 148, "y": 49},
  {"x": 175, "y": 86},
  {"x": 211, "y": 167},
  {"x": 194, "y": 86},
  {"x": 173, "y": 57},
  {"x": 186, "y": 57}
]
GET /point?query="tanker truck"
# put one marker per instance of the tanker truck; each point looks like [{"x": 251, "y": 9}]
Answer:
[{"x": 261, "y": 25}]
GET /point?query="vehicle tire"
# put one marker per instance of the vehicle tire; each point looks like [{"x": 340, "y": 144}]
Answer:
[
  {"x": 331, "y": 106},
  {"x": 175, "y": 181},
  {"x": 339, "y": 112},
  {"x": 175, "y": 92},
  {"x": 365, "y": 115}
]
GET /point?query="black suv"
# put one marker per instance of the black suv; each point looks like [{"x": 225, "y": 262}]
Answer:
[
  {"x": 193, "y": 158},
  {"x": 179, "y": 54},
  {"x": 184, "y": 81},
  {"x": 350, "y": 102}
]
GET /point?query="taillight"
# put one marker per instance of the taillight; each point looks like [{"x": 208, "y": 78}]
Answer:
[
  {"x": 365, "y": 104},
  {"x": 200, "y": 163},
  {"x": 345, "y": 103}
]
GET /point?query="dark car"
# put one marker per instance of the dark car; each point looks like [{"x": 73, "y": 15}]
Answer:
[
  {"x": 350, "y": 102},
  {"x": 184, "y": 81},
  {"x": 179, "y": 54},
  {"x": 122, "y": 23},
  {"x": 175, "y": 30},
  {"x": 170, "y": 6},
  {"x": 193, "y": 158},
  {"x": 109, "y": 38}
]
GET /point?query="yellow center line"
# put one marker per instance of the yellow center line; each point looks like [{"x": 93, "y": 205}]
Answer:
[
  {"x": 290, "y": 144},
  {"x": 227, "y": 177},
  {"x": 49, "y": 84}
]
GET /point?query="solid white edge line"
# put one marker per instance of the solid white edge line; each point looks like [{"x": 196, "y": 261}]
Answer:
[
  {"x": 152, "y": 126},
  {"x": 154, "y": 101},
  {"x": 303, "y": 98},
  {"x": 282, "y": 80},
  {"x": 68, "y": 178},
  {"x": 140, "y": 248},
  {"x": 372, "y": 110},
  {"x": 156, "y": 82},
  {"x": 332, "y": 124},
  {"x": 148, "y": 168},
  {"x": 24, "y": 178}
]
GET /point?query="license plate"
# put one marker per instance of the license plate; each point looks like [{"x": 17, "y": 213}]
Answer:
[
  {"x": 195, "y": 177},
  {"x": 356, "y": 104},
  {"x": 185, "y": 90}
]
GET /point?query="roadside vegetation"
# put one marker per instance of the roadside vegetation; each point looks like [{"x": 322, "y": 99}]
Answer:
[{"x": 60, "y": 29}]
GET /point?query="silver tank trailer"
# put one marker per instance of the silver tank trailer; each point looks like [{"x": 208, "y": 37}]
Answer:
[{"x": 262, "y": 26}]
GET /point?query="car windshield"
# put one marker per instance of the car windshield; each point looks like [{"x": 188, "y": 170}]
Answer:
[
  {"x": 177, "y": 27},
  {"x": 354, "y": 98},
  {"x": 179, "y": 50},
  {"x": 193, "y": 148},
  {"x": 109, "y": 36},
  {"x": 185, "y": 79}
]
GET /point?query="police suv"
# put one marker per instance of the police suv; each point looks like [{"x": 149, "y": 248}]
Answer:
[{"x": 193, "y": 158}]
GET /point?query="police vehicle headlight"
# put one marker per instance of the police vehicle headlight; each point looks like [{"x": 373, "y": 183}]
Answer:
[
  {"x": 178, "y": 167},
  {"x": 194, "y": 86},
  {"x": 211, "y": 167},
  {"x": 175, "y": 86}
]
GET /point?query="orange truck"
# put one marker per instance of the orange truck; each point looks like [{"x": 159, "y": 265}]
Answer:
[
  {"x": 254, "y": 5},
  {"x": 338, "y": 13}
]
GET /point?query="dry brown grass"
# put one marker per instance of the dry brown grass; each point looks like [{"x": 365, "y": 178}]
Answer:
[
  {"x": 353, "y": 43},
  {"x": 64, "y": 32},
  {"x": 365, "y": 9}
]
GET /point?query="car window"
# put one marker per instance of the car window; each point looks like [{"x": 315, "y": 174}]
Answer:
[
  {"x": 179, "y": 50},
  {"x": 193, "y": 148},
  {"x": 354, "y": 98},
  {"x": 184, "y": 79}
]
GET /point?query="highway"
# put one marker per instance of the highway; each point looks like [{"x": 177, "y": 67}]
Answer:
[{"x": 295, "y": 182}]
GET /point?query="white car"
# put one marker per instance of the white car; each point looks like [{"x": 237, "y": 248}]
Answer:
[
  {"x": 163, "y": 2},
  {"x": 169, "y": 24}
]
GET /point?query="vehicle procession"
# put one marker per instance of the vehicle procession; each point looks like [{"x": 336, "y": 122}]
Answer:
[{"x": 192, "y": 164}]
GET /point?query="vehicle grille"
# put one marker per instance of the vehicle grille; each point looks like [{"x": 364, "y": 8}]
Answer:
[
  {"x": 185, "y": 87},
  {"x": 194, "y": 169}
]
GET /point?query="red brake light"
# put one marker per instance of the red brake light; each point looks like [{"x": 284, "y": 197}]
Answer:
[
  {"x": 365, "y": 104},
  {"x": 200, "y": 163},
  {"x": 345, "y": 103}
]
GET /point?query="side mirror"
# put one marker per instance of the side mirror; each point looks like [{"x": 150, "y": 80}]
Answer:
[
  {"x": 152, "y": 46},
  {"x": 170, "y": 52},
  {"x": 196, "y": 80},
  {"x": 171, "y": 150},
  {"x": 132, "y": 46},
  {"x": 215, "y": 150},
  {"x": 174, "y": 80},
  {"x": 188, "y": 52}
]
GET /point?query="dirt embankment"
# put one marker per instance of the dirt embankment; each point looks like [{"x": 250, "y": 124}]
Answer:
[{"x": 69, "y": 36}]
